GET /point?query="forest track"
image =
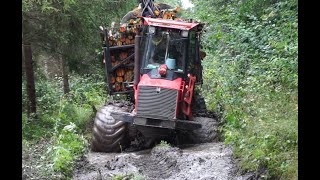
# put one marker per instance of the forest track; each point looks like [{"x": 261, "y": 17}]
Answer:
[
  {"x": 200, "y": 160},
  {"x": 190, "y": 161}
]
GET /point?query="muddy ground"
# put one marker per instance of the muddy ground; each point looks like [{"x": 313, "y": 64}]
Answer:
[
  {"x": 194, "y": 161},
  {"x": 202, "y": 161}
]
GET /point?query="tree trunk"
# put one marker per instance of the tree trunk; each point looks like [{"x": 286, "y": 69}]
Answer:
[
  {"x": 66, "y": 88},
  {"x": 31, "y": 91},
  {"x": 23, "y": 62}
]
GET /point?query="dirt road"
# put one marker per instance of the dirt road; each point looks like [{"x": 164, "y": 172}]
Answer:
[
  {"x": 204, "y": 159},
  {"x": 199, "y": 161}
]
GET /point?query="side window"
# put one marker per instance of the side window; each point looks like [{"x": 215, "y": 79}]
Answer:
[
  {"x": 194, "y": 63},
  {"x": 192, "y": 52}
]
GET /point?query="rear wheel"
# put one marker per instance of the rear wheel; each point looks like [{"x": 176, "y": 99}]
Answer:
[
  {"x": 109, "y": 134},
  {"x": 198, "y": 104},
  {"x": 209, "y": 130},
  {"x": 207, "y": 133}
]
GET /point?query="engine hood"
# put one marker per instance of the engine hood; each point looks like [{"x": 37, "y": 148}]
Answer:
[{"x": 163, "y": 83}]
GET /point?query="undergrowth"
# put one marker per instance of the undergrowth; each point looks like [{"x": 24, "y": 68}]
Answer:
[
  {"x": 164, "y": 144},
  {"x": 131, "y": 176},
  {"x": 62, "y": 121},
  {"x": 251, "y": 80}
]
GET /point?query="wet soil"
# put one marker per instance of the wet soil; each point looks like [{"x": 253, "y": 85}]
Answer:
[
  {"x": 205, "y": 159},
  {"x": 194, "y": 161}
]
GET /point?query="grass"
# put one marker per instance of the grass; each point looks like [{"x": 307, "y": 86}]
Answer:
[
  {"x": 36, "y": 164},
  {"x": 131, "y": 176},
  {"x": 268, "y": 136},
  {"x": 63, "y": 122},
  {"x": 164, "y": 144}
]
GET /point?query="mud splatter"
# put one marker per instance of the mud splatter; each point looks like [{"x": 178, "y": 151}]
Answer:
[{"x": 198, "y": 161}]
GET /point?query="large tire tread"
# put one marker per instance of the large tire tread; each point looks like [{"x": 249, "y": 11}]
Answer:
[{"x": 109, "y": 134}]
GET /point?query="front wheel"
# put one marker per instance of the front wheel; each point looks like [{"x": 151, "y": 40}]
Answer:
[{"x": 109, "y": 134}]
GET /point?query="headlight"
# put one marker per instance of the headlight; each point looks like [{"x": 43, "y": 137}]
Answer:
[
  {"x": 152, "y": 29},
  {"x": 184, "y": 33}
]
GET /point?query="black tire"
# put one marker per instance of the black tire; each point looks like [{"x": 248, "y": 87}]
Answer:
[
  {"x": 208, "y": 120},
  {"x": 208, "y": 132},
  {"x": 109, "y": 134},
  {"x": 198, "y": 106}
]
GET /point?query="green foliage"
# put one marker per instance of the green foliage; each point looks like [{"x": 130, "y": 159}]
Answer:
[
  {"x": 250, "y": 79},
  {"x": 53, "y": 157},
  {"x": 268, "y": 137},
  {"x": 57, "y": 110},
  {"x": 164, "y": 144},
  {"x": 68, "y": 30},
  {"x": 68, "y": 146},
  {"x": 131, "y": 176},
  {"x": 63, "y": 118},
  {"x": 48, "y": 94}
]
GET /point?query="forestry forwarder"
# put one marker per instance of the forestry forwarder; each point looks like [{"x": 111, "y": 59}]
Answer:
[{"x": 155, "y": 57}]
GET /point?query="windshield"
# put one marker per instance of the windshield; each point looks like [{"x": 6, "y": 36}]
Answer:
[{"x": 165, "y": 48}]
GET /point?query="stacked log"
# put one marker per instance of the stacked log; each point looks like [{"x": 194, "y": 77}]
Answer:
[
  {"x": 123, "y": 73},
  {"x": 124, "y": 35}
]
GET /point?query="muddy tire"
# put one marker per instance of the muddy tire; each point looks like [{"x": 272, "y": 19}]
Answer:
[
  {"x": 109, "y": 134},
  {"x": 208, "y": 120},
  {"x": 208, "y": 132},
  {"x": 199, "y": 107}
]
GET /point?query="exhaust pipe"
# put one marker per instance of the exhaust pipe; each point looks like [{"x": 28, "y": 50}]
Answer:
[{"x": 136, "y": 60}]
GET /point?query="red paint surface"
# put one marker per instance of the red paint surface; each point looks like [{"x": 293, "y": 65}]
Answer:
[
  {"x": 187, "y": 100},
  {"x": 163, "y": 83}
]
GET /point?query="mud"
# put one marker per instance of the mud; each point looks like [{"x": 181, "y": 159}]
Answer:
[
  {"x": 208, "y": 132},
  {"x": 199, "y": 161},
  {"x": 205, "y": 158}
]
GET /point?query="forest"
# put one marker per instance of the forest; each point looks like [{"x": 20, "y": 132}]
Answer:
[{"x": 250, "y": 80}]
